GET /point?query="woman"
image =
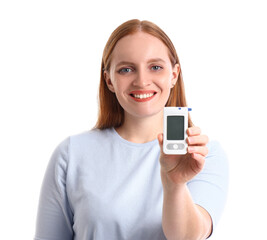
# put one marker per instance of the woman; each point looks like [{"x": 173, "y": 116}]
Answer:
[{"x": 115, "y": 182}]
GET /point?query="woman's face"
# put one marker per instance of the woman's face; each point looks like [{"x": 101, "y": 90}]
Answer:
[{"x": 141, "y": 74}]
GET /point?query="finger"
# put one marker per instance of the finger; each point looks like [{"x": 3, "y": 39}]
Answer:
[
  {"x": 198, "y": 140},
  {"x": 202, "y": 150},
  {"x": 193, "y": 131}
]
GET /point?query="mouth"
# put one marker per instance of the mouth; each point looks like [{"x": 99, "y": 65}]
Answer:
[{"x": 142, "y": 96}]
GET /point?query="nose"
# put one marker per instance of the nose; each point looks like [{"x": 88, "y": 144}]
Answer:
[{"x": 142, "y": 79}]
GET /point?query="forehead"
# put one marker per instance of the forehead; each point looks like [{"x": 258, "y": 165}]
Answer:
[{"x": 138, "y": 47}]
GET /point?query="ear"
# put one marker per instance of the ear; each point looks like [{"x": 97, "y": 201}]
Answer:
[
  {"x": 108, "y": 81},
  {"x": 175, "y": 74}
]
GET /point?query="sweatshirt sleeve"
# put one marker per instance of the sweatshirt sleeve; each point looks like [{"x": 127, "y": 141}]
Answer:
[
  {"x": 209, "y": 188},
  {"x": 54, "y": 217}
]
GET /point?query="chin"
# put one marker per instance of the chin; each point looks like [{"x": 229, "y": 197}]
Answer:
[{"x": 145, "y": 113}]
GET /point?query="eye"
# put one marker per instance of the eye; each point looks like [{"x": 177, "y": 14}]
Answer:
[
  {"x": 156, "y": 68},
  {"x": 125, "y": 70}
]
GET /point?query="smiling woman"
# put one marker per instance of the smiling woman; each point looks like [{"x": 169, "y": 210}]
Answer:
[
  {"x": 107, "y": 100},
  {"x": 149, "y": 71},
  {"x": 114, "y": 181}
]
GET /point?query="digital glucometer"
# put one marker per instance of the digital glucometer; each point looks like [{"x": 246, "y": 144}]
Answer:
[{"x": 175, "y": 126}]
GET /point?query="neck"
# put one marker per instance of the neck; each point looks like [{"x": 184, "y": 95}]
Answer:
[{"x": 141, "y": 130}]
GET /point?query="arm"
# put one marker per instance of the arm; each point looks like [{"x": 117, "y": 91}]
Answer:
[
  {"x": 181, "y": 218},
  {"x": 54, "y": 218}
]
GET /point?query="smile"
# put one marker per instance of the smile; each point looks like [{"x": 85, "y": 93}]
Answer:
[{"x": 142, "y": 96}]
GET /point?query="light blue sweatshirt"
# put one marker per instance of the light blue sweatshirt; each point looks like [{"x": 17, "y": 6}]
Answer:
[{"x": 98, "y": 186}]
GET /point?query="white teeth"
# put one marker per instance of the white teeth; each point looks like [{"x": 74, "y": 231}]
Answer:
[{"x": 141, "y": 96}]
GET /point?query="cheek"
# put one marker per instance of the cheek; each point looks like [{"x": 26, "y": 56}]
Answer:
[
  {"x": 165, "y": 82},
  {"x": 119, "y": 86},
  {"x": 166, "y": 76},
  {"x": 120, "y": 89}
]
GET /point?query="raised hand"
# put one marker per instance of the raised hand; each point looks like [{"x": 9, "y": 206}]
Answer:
[{"x": 179, "y": 169}]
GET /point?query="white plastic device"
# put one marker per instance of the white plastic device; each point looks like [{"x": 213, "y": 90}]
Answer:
[{"x": 175, "y": 125}]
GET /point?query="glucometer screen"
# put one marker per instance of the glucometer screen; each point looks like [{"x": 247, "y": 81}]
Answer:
[{"x": 175, "y": 127}]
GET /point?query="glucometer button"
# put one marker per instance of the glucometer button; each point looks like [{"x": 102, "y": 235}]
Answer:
[
  {"x": 175, "y": 146},
  {"x": 181, "y": 146},
  {"x": 170, "y": 146}
]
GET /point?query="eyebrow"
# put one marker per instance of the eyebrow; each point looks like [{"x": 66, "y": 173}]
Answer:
[{"x": 149, "y": 61}]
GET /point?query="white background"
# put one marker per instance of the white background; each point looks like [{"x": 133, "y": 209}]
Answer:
[{"x": 50, "y": 53}]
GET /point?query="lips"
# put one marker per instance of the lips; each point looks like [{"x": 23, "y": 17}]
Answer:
[{"x": 142, "y": 96}]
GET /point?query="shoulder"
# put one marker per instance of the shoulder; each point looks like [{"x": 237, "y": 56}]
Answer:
[
  {"x": 215, "y": 148},
  {"x": 64, "y": 148},
  {"x": 86, "y": 137},
  {"x": 217, "y": 157},
  {"x": 215, "y": 172},
  {"x": 82, "y": 144},
  {"x": 74, "y": 147},
  {"x": 61, "y": 150},
  {"x": 209, "y": 188}
]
